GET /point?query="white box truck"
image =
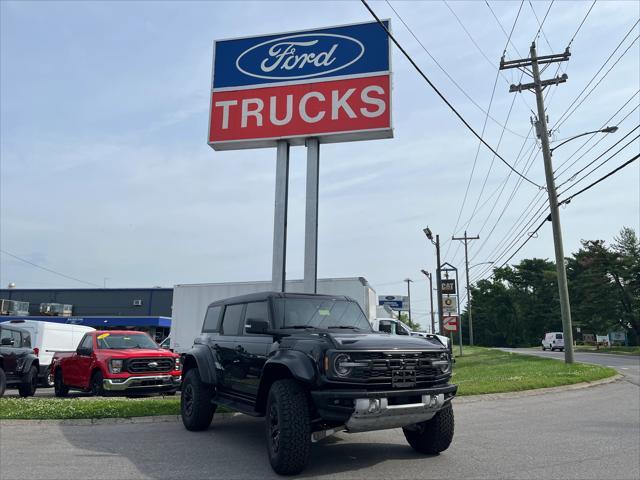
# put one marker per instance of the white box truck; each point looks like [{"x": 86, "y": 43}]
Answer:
[
  {"x": 50, "y": 337},
  {"x": 190, "y": 302}
]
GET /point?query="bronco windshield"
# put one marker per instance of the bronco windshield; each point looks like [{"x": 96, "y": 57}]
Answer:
[
  {"x": 321, "y": 313},
  {"x": 121, "y": 341}
]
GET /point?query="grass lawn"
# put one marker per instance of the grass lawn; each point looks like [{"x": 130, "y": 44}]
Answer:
[
  {"x": 64, "y": 408},
  {"x": 484, "y": 370},
  {"x": 614, "y": 350}
]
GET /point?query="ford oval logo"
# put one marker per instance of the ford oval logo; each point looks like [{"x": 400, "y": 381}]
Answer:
[{"x": 300, "y": 56}]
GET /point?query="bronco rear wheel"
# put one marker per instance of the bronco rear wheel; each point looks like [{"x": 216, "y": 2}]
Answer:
[
  {"x": 432, "y": 436},
  {"x": 196, "y": 407},
  {"x": 29, "y": 383},
  {"x": 288, "y": 427}
]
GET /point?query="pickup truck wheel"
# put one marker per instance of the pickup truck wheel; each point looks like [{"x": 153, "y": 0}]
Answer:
[
  {"x": 3, "y": 382},
  {"x": 29, "y": 383},
  {"x": 59, "y": 388},
  {"x": 48, "y": 381},
  {"x": 97, "y": 384},
  {"x": 288, "y": 427},
  {"x": 196, "y": 407},
  {"x": 432, "y": 436}
]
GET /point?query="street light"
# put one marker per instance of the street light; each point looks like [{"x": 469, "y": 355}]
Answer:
[
  {"x": 429, "y": 234},
  {"x": 563, "y": 288},
  {"x": 613, "y": 129},
  {"x": 408, "y": 280},
  {"x": 433, "y": 324}
]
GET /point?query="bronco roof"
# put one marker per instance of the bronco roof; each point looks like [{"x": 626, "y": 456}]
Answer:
[{"x": 261, "y": 296}]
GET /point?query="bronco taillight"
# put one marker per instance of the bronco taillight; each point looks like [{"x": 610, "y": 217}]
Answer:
[{"x": 36, "y": 351}]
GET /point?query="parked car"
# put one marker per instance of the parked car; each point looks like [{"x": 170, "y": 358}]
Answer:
[
  {"x": 553, "y": 341},
  {"x": 393, "y": 326},
  {"x": 18, "y": 364},
  {"x": 116, "y": 362},
  {"x": 48, "y": 338},
  {"x": 312, "y": 365}
]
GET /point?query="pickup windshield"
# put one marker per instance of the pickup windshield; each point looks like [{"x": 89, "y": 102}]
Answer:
[
  {"x": 319, "y": 313},
  {"x": 121, "y": 341}
]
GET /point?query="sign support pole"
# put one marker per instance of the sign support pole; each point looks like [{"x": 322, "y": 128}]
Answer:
[
  {"x": 311, "y": 217},
  {"x": 459, "y": 319},
  {"x": 278, "y": 272}
]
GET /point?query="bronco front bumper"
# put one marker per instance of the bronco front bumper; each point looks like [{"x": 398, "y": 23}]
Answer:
[
  {"x": 363, "y": 410},
  {"x": 142, "y": 383}
]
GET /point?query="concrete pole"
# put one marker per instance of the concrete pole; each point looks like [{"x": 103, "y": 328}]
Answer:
[
  {"x": 278, "y": 273},
  {"x": 433, "y": 324},
  {"x": 311, "y": 217},
  {"x": 439, "y": 284},
  {"x": 563, "y": 289}
]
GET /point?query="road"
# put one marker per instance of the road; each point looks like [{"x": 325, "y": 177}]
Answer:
[
  {"x": 628, "y": 365},
  {"x": 576, "y": 434}
]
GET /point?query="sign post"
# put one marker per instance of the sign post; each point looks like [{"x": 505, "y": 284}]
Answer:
[
  {"x": 450, "y": 304},
  {"x": 300, "y": 88}
]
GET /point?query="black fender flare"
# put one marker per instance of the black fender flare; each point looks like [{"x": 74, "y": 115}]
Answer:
[
  {"x": 29, "y": 362},
  {"x": 200, "y": 357},
  {"x": 285, "y": 364}
]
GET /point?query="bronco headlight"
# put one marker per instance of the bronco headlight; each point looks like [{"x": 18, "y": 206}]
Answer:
[
  {"x": 444, "y": 363},
  {"x": 341, "y": 365},
  {"x": 115, "y": 366}
]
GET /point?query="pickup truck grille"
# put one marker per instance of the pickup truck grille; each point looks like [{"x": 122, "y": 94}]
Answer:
[
  {"x": 381, "y": 365},
  {"x": 149, "y": 365}
]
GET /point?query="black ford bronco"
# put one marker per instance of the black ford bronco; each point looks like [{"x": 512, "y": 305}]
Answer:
[{"x": 313, "y": 366}]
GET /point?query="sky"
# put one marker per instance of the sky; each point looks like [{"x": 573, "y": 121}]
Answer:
[{"x": 106, "y": 176}]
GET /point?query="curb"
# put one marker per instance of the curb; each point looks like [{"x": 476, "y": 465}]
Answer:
[
  {"x": 536, "y": 391},
  {"x": 177, "y": 418}
]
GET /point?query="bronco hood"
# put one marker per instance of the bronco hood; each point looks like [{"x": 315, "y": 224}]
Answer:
[{"x": 382, "y": 341}]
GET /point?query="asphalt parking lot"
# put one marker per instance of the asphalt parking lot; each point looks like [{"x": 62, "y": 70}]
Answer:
[{"x": 581, "y": 434}]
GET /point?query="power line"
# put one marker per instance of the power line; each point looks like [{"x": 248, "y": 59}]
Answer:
[
  {"x": 581, "y": 23},
  {"x": 540, "y": 24},
  {"x": 49, "y": 270},
  {"x": 604, "y": 177},
  {"x": 442, "y": 97},
  {"x": 592, "y": 136},
  {"x": 602, "y": 163},
  {"x": 566, "y": 115},
  {"x": 497, "y": 122}
]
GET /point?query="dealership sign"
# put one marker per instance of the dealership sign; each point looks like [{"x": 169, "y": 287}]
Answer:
[
  {"x": 394, "y": 302},
  {"x": 332, "y": 84}
]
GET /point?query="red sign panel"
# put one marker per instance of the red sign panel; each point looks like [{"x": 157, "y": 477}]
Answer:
[
  {"x": 312, "y": 109},
  {"x": 450, "y": 324}
]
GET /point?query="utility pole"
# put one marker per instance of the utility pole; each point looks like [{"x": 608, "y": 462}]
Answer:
[
  {"x": 433, "y": 321},
  {"x": 543, "y": 133},
  {"x": 408, "y": 280},
  {"x": 466, "y": 263}
]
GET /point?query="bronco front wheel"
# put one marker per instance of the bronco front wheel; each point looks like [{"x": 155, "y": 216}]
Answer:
[
  {"x": 196, "y": 407},
  {"x": 288, "y": 427},
  {"x": 432, "y": 436}
]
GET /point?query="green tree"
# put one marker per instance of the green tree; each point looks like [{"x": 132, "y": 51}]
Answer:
[
  {"x": 625, "y": 272},
  {"x": 404, "y": 318}
]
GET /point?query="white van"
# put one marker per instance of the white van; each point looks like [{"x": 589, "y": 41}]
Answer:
[
  {"x": 553, "y": 341},
  {"x": 50, "y": 337}
]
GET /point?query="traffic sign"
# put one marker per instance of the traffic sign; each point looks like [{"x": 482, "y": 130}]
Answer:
[{"x": 450, "y": 323}]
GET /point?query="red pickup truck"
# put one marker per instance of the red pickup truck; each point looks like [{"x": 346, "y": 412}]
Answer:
[{"x": 116, "y": 362}]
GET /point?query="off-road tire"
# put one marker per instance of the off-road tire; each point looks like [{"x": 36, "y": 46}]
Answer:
[
  {"x": 29, "y": 383},
  {"x": 97, "y": 384},
  {"x": 3, "y": 382},
  {"x": 59, "y": 388},
  {"x": 196, "y": 407},
  {"x": 288, "y": 427},
  {"x": 433, "y": 436}
]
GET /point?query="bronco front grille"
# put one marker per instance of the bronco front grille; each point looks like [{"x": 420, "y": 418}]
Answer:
[
  {"x": 381, "y": 365},
  {"x": 149, "y": 365}
]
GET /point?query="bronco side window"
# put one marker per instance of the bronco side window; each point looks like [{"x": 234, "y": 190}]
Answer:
[
  {"x": 212, "y": 319},
  {"x": 232, "y": 319}
]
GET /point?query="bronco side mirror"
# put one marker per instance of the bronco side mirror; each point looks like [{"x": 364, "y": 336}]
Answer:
[{"x": 257, "y": 326}]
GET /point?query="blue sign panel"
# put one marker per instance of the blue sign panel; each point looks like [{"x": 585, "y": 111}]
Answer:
[{"x": 300, "y": 57}]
